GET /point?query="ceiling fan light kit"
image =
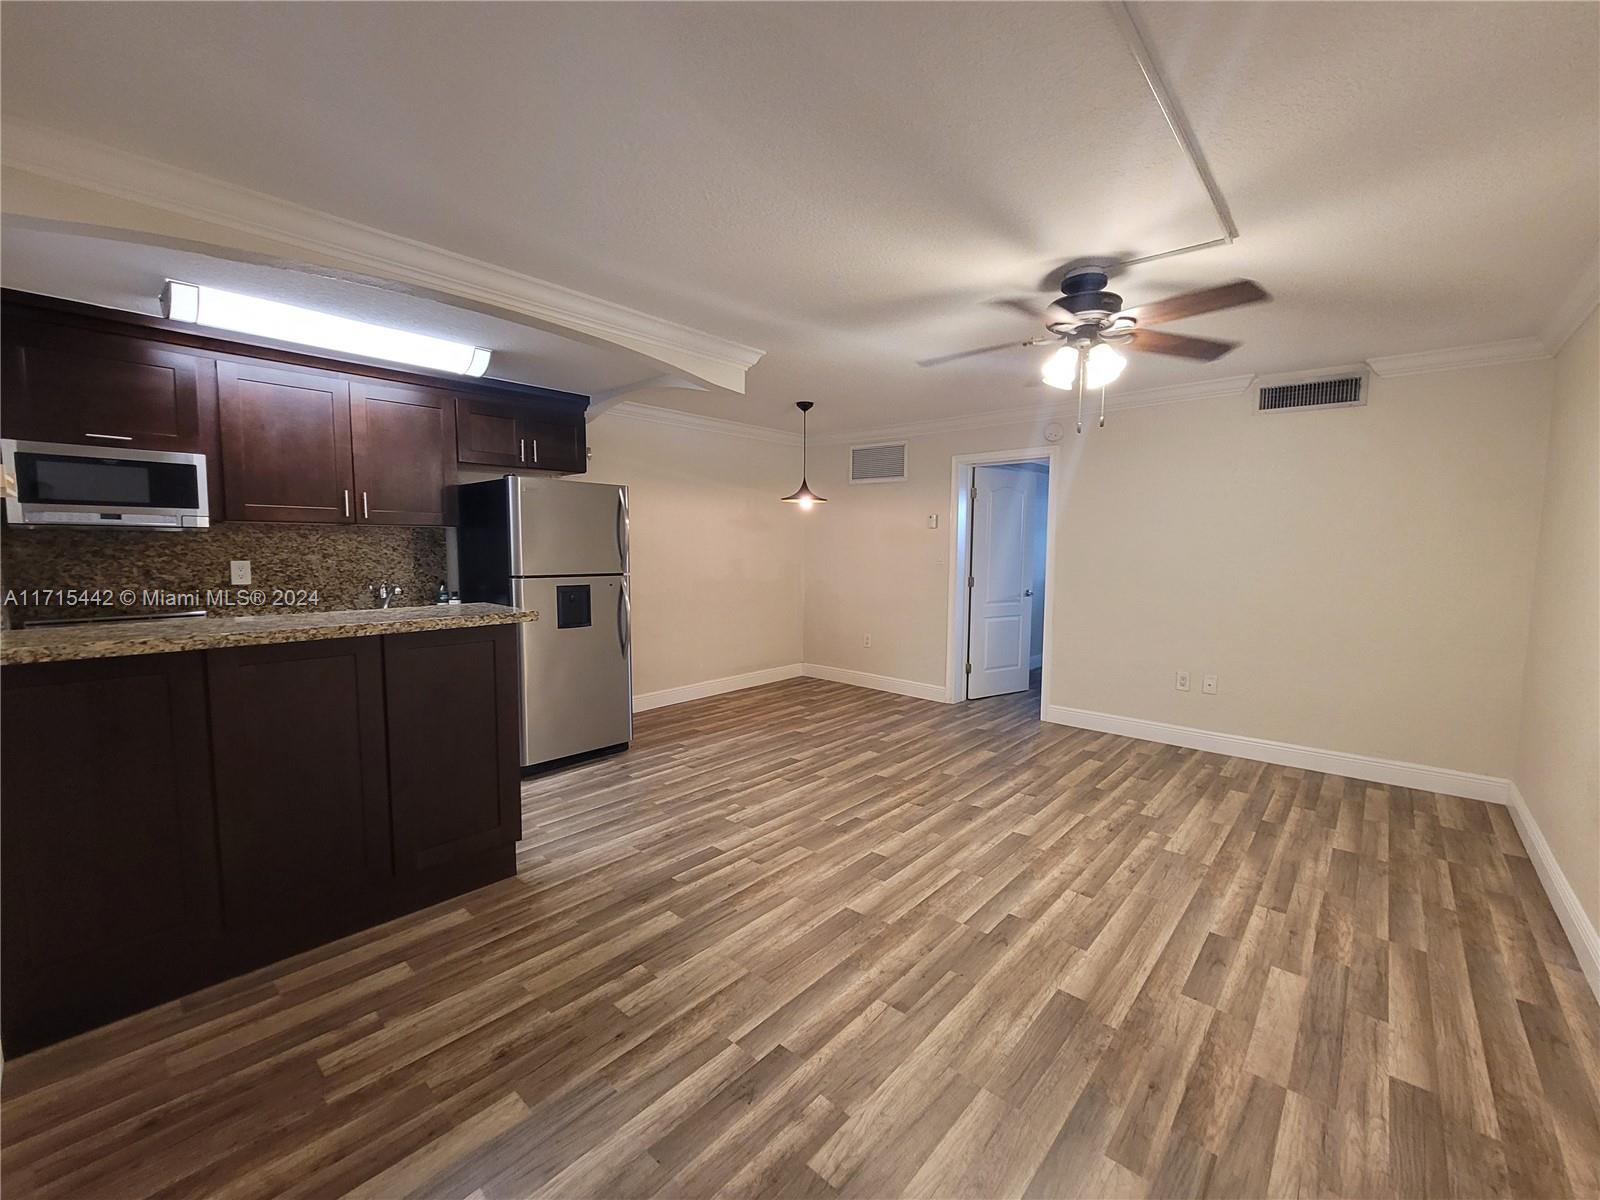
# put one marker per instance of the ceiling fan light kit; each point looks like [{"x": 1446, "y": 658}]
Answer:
[{"x": 1086, "y": 323}]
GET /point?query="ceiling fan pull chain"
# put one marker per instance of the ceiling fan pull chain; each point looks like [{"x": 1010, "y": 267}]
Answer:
[
  {"x": 1102, "y": 408},
  {"x": 1081, "y": 358}
]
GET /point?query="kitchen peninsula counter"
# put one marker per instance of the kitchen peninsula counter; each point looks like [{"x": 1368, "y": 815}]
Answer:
[{"x": 117, "y": 639}]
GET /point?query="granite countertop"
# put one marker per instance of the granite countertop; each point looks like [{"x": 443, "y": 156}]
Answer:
[{"x": 114, "y": 639}]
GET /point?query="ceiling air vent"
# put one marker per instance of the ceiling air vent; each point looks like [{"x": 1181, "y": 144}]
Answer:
[
  {"x": 1339, "y": 389},
  {"x": 878, "y": 464}
]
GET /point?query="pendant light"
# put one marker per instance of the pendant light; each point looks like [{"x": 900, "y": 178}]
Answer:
[{"x": 803, "y": 495}]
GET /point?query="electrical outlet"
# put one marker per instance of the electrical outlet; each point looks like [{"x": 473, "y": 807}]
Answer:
[
  {"x": 1208, "y": 685},
  {"x": 239, "y": 572},
  {"x": 866, "y": 640},
  {"x": 1183, "y": 681}
]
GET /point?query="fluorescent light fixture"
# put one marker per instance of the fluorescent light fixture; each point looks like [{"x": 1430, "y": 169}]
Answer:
[
  {"x": 1102, "y": 368},
  {"x": 307, "y": 327}
]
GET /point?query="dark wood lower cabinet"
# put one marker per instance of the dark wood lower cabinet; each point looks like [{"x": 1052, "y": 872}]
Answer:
[
  {"x": 170, "y": 820},
  {"x": 459, "y": 687},
  {"x": 107, "y": 841},
  {"x": 302, "y": 802}
]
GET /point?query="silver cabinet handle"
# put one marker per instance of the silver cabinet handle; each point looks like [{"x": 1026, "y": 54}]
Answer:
[
  {"x": 110, "y": 437},
  {"x": 535, "y": 450},
  {"x": 522, "y": 450},
  {"x": 347, "y": 502},
  {"x": 365, "y": 514}
]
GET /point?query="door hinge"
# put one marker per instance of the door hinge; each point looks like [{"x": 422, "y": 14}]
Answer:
[
  {"x": 974, "y": 493},
  {"x": 971, "y": 582},
  {"x": 969, "y": 668}
]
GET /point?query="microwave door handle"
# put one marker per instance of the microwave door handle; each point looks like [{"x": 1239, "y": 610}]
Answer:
[{"x": 110, "y": 437}]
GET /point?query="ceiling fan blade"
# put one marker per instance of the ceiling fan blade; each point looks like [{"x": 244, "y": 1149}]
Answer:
[
  {"x": 1154, "y": 341},
  {"x": 1192, "y": 304},
  {"x": 1016, "y": 304},
  {"x": 940, "y": 360}
]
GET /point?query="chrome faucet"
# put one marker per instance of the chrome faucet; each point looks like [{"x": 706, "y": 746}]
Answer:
[{"x": 384, "y": 593}]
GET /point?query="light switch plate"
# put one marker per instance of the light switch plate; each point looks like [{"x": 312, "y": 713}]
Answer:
[
  {"x": 1208, "y": 685},
  {"x": 1183, "y": 681},
  {"x": 239, "y": 572}
]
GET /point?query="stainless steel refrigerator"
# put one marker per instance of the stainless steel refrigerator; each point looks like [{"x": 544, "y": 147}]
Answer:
[{"x": 560, "y": 549}]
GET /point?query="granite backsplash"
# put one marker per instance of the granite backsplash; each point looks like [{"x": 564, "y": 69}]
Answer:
[{"x": 167, "y": 571}]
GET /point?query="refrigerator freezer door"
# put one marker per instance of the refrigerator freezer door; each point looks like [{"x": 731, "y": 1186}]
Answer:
[
  {"x": 577, "y": 686},
  {"x": 566, "y": 528}
]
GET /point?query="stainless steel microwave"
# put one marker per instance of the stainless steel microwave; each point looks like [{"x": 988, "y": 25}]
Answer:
[{"x": 47, "y": 483}]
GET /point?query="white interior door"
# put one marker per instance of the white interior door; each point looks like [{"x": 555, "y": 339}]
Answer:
[{"x": 1000, "y": 620}]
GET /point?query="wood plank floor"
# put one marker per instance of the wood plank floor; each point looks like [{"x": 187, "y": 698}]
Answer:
[{"x": 814, "y": 941}]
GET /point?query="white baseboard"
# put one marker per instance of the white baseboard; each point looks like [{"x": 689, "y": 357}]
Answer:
[
  {"x": 714, "y": 687},
  {"x": 880, "y": 683},
  {"x": 1580, "y": 929},
  {"x": 1354, "y": 766}
]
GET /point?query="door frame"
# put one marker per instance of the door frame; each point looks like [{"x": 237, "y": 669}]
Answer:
[{"x": 960, "y": 554}]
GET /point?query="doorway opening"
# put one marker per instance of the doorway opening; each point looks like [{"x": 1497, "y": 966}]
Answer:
[{"x": 1002, "y": 568}]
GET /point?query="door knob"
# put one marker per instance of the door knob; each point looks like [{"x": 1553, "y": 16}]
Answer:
[{"x": 1027, "y": 591}]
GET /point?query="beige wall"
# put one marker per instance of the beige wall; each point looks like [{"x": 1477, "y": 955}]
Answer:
[
  {"x": 716, "y": 570},
  {"x": 1558, "y": 762},
  {"x": 1359, "y": 579}
]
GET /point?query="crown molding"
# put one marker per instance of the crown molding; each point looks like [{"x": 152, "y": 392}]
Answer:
[
  {"x": 672, "y": 418},
  {"x": 1209, "y": 389},
  {"x": 108, "y": 171},
  {"x": 1455, "y": 358},
  {"x": 1581, "y": 300}
]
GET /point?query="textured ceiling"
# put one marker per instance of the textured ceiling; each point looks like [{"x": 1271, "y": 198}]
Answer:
[{"x": 848, "y": 186}]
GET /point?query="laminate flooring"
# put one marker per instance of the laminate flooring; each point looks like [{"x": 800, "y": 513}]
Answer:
[{"x": 808, "y": 940}]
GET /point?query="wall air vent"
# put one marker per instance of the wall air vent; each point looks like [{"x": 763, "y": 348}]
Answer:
[
  {"x": 1339, "y": 389},
  {"x": 878, "y": 464}
]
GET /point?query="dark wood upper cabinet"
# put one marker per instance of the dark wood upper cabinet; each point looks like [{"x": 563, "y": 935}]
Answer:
[
  {"x": 555, "y": 445},
  {"x": 403, "y": 440},
  {"x": 285, "y": 444},
  {"x": 291, "y": 435},
  {"x": 497, "y": 433},
  {"x": 66, "y": 385},
  {"x": 302, "y": 795},
  {"x": 109, "y": 870},
  {"x": 455, "y": 688},
  {"x": 488, "y": 433}
]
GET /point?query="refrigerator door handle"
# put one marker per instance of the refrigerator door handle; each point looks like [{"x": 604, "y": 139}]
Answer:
[
  {"x": 624, "y": 532},
  {"x": 624, "y": 619}
]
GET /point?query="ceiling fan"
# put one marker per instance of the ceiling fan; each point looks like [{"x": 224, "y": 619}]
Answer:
[{"x": 1087, "y": 323}]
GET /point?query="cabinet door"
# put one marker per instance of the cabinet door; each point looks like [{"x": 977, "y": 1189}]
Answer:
[
  {"x": 488, "y": 432},
  {"x": 68, "y": 385},
  {"x": 302, "y": 796},
  {"x": 554, "y": 445},
  {"x": 285, "y": 444},
  {"x": 403, "y": 445},
  {"x": 453, "y": 761},
  {"x": 109, "y": 852}
]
